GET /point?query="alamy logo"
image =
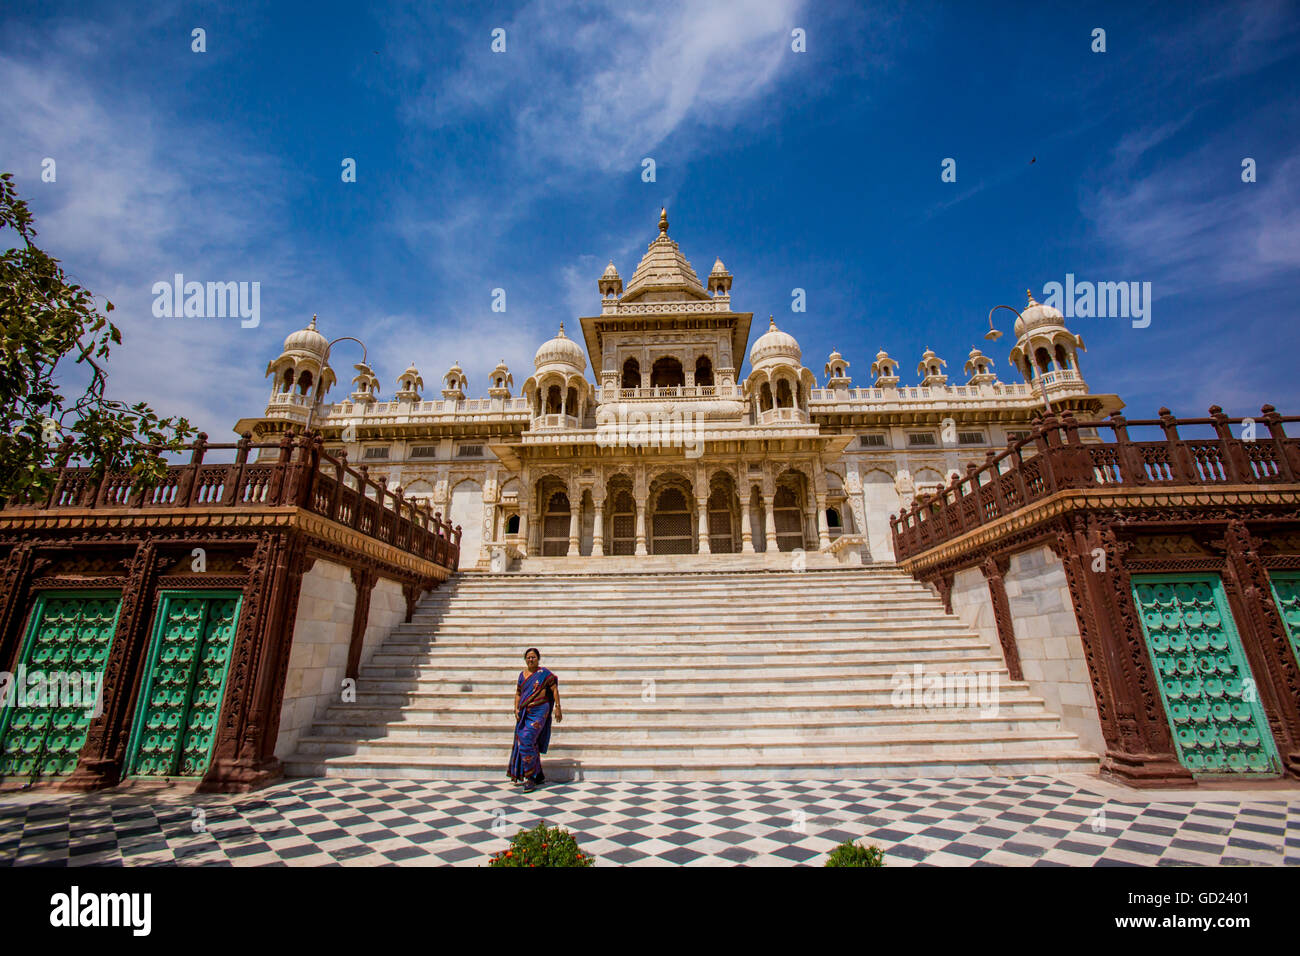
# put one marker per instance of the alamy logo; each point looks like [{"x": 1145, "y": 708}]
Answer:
[
  {"x": 1103, "y": 300},
  {"x": 80, "y": 690},
  {"x": 211, "y": 300},
  {"x": 74, "y": 909}
]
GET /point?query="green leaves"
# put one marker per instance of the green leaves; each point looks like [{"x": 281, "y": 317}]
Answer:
[
  {"x": 542, "y": 846},
  {"x": 850, "y": 853},
  {"x": 43, "y": 319}
]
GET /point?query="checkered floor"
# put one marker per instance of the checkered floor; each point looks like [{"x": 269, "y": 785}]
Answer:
[{"x": 1036, "y": 821}]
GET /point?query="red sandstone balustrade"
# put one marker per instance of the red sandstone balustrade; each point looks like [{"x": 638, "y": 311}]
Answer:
[
  {"x": 302, "y": 474},
  {"x": 1062, "y": 460}
]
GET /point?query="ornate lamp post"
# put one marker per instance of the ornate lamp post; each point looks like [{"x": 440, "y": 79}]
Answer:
[
  {"x": 993, "y": 335},
  {"x": 320, "y": 394}
]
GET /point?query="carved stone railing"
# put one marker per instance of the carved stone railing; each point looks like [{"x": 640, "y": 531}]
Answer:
[
  {"x": 1054, "y": 458},
  {"x": 676, "y": 391},
  {"x": 302, "y": 475}
]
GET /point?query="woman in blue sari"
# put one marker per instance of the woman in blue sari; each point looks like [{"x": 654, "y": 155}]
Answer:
[{"x": 537, "y": 693}]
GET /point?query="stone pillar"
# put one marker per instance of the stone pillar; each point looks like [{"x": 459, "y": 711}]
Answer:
[
  {"x": 746, "y": 532},
  {"x": 598, "y": 529},
  {"x": 640, "y": 526},
  {"x": 363, "y": 579},
  {"x": 769, "y": 522},
  {"x": 702, "y": 505},
  {"x": 823, "y": 529},
  {"x": 575, "y": 521},
  {"x": 994, "y": 570}
]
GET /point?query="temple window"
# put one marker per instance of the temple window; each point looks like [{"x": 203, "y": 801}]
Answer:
[
  {"x": 631, "y": 374},
  {"x": 703, "y": 371},
  {"x": 667, "y": 373}
]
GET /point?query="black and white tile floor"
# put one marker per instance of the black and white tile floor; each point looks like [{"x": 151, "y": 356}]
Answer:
[{"x": 1037, "y": 821}]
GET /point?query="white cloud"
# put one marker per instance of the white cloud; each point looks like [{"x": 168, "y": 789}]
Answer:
[{"x": 140, "y": 196}]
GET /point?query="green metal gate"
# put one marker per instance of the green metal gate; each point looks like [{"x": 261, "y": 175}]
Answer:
[
  {"x": 1286, "y": 593},
  {"x": 47, "y": 714},
  {"x": 180, "y": 699},
  {"x": 1208, "y": 691}
]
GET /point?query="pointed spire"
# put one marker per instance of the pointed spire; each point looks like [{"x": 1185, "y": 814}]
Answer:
[
  {"x": 1030, "y": 295},
  {"x": 771, "y": 323},
  {"x": 313, "y": 321},
  {"x": 561, "y": 335},
  {"x": 663, "y": 220}
]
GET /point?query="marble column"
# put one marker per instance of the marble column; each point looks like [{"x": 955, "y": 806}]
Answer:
[
  {"x": 640, "y": 526},
  {"x": 746, "y": 532},
  {"x": 598, "y": 530},
  {"x": 823, "y": 529},
  {"x": 575, "y": 522},
  {"x": 702, "y": 506},
  {"x": 769, "y": 522}
]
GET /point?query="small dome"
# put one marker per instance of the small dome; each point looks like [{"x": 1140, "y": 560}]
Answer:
[
  {"x": 774, "y": 344},
  {"x": 882, "y": 354},
  {"x": 307, "y": 340},
  {"x": 560, "y": 350},
  {"x": 1036, "y": 316},
  {"x": 718, "y": 267},
  {"x": 610, "y": 272}
]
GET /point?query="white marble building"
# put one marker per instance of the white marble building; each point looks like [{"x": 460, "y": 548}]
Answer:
[{"x": 667, "y": 449}]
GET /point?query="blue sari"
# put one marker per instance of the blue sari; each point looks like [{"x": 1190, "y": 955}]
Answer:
[{"x": 533, "y": 728}]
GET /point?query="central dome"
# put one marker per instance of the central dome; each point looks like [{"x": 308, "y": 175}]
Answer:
[{"x": 664, "y": 273}]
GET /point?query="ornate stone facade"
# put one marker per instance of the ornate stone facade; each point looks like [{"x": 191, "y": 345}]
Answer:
[{"x": 668, "y": 450}]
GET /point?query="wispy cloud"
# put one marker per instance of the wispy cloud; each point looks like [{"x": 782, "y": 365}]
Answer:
[{"x": 136, "y": 200}]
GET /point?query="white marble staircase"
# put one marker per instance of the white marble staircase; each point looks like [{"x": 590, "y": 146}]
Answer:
[{"x": 686, "y": 675}]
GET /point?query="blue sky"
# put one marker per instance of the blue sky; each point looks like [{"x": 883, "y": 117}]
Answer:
[{"x": 522, "y": 170}]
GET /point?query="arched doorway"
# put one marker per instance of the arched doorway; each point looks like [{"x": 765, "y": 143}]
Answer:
[
  {"x": 787, "y": 512},
  {"x": 621, "y": 523},
  {"x": 671, "y": 525},
  {"x": 631, "y": 374},
  {"x": 467, "y": 511},
  {"x": 667, "y": 373},
  {"x": 555, "y": 525},
  {"x": 724, "y": 517}
]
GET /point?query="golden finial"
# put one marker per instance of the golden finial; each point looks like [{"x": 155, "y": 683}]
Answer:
[
  {"x": 313, "y": 321},
  {"x": 663, "y": 220},
  {"x": 1030, "y": 295},
  {"x": 771, "y": 324},
  {"x": 561, "y": 328}
]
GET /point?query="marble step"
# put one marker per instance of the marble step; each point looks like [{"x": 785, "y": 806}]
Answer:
[
  {"x": 577, "y": 675},
  {"x": 757, "y": 674},
  {"x": 452, "y": 698},
  {"x": 491, "y": 728},
  {"x": 726, "y": 646},
  {"x": 417, "y": 656},
  {"x": 775, "y": 745},
  {"x": 954, "y": 762},
  {"x": 673, "y": 714}
]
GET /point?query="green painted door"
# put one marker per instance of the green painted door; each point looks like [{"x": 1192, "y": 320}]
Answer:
[
  {"x": 1286, "y": 593},
  {"x": 55, "y": 693},
  {"x": 1208, "y": 691},
  {"x": 180, "y": 698}
]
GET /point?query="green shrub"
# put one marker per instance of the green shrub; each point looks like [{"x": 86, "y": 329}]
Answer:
[
  {"x": 542, "y": 846},
  {"x": 849, "y": 853}
]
